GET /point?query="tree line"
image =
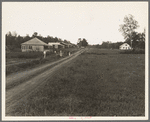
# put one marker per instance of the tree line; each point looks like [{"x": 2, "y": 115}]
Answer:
[
  {"x": 109, "y": 45},
  {"x": 13, "y": 41}
]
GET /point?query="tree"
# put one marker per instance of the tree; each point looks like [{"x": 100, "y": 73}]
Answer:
[
  {"x": 129, "y": 27},
  {"x": 79, "y": 42},
  {"x": 65, "y": 41},
  {"x": 141, "y": 40},
  {"x": 11, "y": 38},
  {"x": 35, "y": 34},
  {"x": 82, "y": 42},
  {"x": 14, "y": 34}
]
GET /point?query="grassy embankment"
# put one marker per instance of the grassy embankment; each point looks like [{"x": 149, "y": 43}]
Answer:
[
  {"x": 20, "y": 61},
  {"x": 97, "y": 83}
]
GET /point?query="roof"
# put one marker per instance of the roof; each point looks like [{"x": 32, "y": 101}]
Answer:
[
  {"x": 54, "y": 43},
  {"x": 34, "y": 41},
  {"x": 65, "y": 43},
  {"x": 124, "y": 44}
]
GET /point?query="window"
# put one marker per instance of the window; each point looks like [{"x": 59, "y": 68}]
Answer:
[{"x": 30, "y": 47}]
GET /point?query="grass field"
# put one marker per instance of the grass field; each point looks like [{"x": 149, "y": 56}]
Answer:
[
  {"x": 97, "y": 83},
  {"x": 20, "y": 61}
]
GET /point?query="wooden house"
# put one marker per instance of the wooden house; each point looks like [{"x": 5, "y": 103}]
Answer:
[
  {"x": 125, "y": 46},
  {"x": 34, "y": 45}
]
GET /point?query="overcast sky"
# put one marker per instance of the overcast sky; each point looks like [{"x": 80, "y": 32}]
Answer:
[{"x": 94, "y": 21}]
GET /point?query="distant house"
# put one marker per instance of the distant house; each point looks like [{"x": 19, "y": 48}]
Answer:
[
  {"x": 34, "y": 45},
  {"x": 55, "y": 45},
  {"x": 125, "y": 46}
]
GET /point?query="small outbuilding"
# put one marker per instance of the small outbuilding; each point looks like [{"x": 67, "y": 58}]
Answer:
[
  {"x": 34, "y": 44},
  {"x": 125, "y": 46},
  {"x": 66, "y": 45},
  {"x": 55, "y": 45}
]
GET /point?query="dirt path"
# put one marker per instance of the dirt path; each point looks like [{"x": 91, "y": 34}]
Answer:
[
  {"x": 20, "y": 77},
  {"x": 19, "y": 92}
]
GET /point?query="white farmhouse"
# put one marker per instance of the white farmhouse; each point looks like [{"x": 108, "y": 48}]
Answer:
[
  {"x": 125, "y": 46},
  {"x": 34, "y": 44}
]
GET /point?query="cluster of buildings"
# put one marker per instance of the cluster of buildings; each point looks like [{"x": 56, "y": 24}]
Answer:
[{"x": 36, "y": 44}]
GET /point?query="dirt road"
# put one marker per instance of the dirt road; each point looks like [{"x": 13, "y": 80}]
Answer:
[{"x": 28, "y": 82}]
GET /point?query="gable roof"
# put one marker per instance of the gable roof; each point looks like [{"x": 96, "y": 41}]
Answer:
[
  {"x": 124, "y": 44},
  {"x": 34, "y": 41}
]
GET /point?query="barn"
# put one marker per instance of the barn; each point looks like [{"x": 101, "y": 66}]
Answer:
[
  {"x": 125, "y": 46},
  {"x": 34, "y": 45}
]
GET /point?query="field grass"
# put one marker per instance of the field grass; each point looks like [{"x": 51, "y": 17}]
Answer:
[
  {"x": 23, "y": 55},
  {"x": 135, "y": 51},
  {"x": 30, "y": 64},
  {"x": 31, "y": 59},
  {"x": 97, "y": 83}
]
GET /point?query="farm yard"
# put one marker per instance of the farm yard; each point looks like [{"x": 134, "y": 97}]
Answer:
[{"x": 99, "y": 82}]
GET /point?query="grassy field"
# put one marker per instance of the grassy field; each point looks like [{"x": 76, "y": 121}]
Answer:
[
  {"x": 20, "y": 61},
  {"x": 97, "y": 83}
]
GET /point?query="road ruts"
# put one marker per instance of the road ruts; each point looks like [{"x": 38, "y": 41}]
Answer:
[{"x": 18, "y": 93}]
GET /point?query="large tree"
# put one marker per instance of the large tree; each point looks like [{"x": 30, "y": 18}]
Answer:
[{"x": 129, "y": 26}]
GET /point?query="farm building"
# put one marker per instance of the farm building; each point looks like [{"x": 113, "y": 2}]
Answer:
[
  {"x": 66, "y": 45},
  {"x": 56, "y": 45},
  {"x": 34, "y": 45},
  {"x": 125, "y": 46}
]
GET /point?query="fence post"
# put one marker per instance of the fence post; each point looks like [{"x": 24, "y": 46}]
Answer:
[
  {"x": 60, "y": 53},
  {"x": 44, "y": 54}
]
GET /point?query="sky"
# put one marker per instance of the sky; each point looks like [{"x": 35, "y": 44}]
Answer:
[{"x": 94, "y": 21}]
